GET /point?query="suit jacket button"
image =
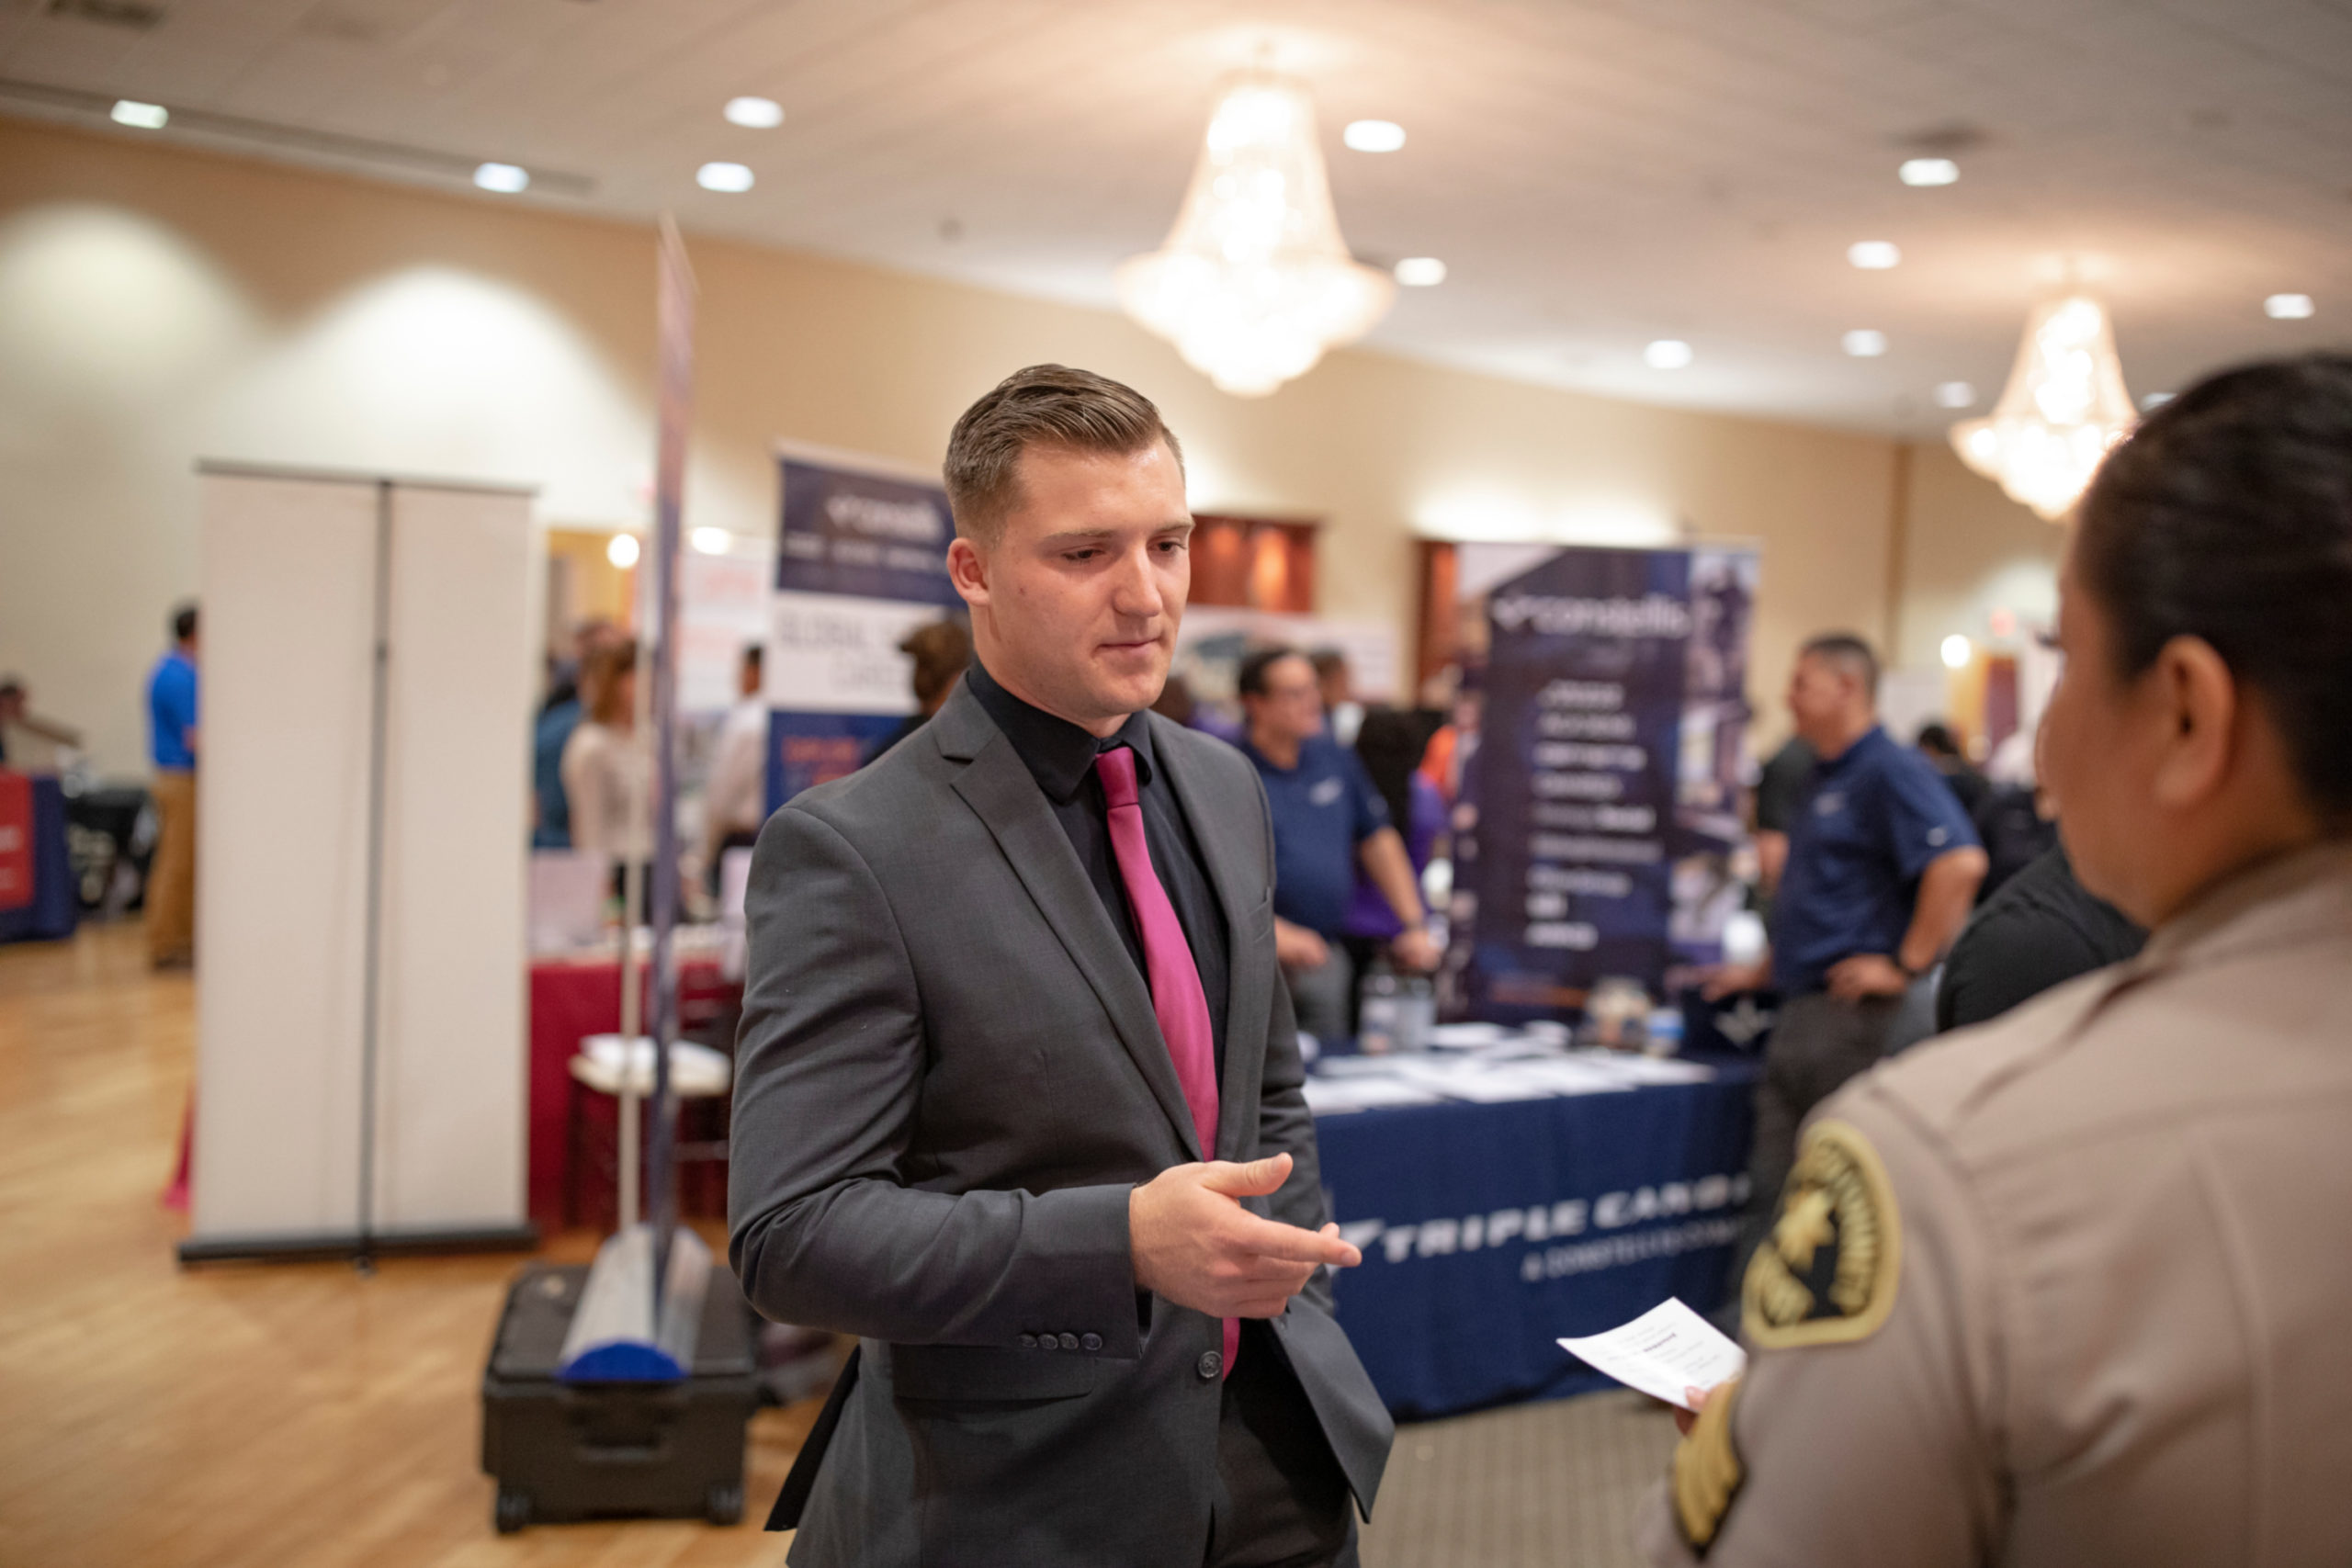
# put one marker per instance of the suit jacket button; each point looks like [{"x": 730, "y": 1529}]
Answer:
[
  {"x": 1069, "y": 1341},
  {"x": 1028, "y": 1342},
  {"x": 1210, "y": 1365},
  {"x": 1090, "y": 1341}
]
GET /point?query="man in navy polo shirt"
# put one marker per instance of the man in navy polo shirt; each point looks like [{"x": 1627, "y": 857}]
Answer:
[
  {"x": 1328, "y": 820},
  {"x": 1883, "y": 868}
]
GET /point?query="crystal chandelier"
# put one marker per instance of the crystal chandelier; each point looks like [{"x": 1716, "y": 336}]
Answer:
[
  {"x": 2064, "y": 407},
  {"x": 1254, "y": 282}
]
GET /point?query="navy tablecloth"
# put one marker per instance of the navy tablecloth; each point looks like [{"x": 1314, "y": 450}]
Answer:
[
  {"x": 55, "y": 906},
  {"x": 1490, "y": 1231}
]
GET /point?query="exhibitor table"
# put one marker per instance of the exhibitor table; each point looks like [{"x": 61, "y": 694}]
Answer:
[
  {"x": 1489, "y": 1231},
  {"x": 570, "y": 999}
]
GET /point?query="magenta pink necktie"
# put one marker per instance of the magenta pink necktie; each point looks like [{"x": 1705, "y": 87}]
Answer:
[{"x": 1176, "y": 997}]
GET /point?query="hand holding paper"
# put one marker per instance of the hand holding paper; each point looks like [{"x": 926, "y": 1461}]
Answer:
[{"x": 1665, "y": 1353}]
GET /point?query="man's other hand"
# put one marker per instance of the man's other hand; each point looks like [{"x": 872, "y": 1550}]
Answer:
[
  {"x": 1729, "y": 980},
  {"x": 1194, "y": 1243},
  {"x": 1867, "y": 974},
  {"x": 1295, "y": 947},
  {"x": 1416, "y": 950}
]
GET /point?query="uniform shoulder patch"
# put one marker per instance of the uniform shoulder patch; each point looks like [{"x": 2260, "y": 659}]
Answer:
[
  {"x": 1707, "y": 1472},
  {"x": 1827, "y": 1272}
]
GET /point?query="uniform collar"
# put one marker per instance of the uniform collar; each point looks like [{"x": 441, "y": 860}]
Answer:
[
  {"x": 2273, "y": 902},
  {"x": 1248, "y": 749},
  {"x": 1059, "y": 754},
  {"x": 1868, "y": 740}
]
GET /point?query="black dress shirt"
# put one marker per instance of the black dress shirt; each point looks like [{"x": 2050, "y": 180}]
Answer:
[
  {"x": 2041, "y": 929},
  {"x": 1060, "y": 757}
]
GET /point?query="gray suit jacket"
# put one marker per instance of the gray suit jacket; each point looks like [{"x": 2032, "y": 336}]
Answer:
[{"x": 949, "y": 1077}]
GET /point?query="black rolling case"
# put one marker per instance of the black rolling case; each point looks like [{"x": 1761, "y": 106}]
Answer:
[{"x": 562, "y": 1453}]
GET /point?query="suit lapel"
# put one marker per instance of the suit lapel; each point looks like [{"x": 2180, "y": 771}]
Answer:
[
  {"x": 998, "y": 786},
  {"x": 1239, "y": 875}
]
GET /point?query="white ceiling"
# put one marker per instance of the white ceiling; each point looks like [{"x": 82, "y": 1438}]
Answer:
[{"x": 1595, "y": 173}]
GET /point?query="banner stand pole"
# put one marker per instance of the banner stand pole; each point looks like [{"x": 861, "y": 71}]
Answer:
[{"x": 362, "y": 1257}]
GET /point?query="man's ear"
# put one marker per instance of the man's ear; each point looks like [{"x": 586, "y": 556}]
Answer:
[
  {"x": 2194, "y": 700},
  {"x": 969, "y": 569}
]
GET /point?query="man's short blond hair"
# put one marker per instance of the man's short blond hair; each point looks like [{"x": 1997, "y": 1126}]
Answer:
[{"x": 1044, "y": 405}]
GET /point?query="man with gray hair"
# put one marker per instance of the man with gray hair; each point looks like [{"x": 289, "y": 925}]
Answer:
[
  {"x": 1018, "y": 1096},
  {"x": 1883, "y": 868}
]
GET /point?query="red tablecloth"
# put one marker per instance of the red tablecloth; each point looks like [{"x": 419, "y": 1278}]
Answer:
[{"x": 569, "y": 1000}]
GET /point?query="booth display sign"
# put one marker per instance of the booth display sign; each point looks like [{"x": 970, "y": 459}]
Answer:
[
  {"x": 861, "y": 561},
  {"x": 1599, "y": 808},
  {"x": 16, "y": 841}
]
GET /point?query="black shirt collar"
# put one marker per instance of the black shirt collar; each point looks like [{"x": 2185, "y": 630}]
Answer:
[{"x": 1059, "y": 754}]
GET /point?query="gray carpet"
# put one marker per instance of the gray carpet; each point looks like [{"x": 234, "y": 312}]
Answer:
[{"x": 1549, "y": 1486}]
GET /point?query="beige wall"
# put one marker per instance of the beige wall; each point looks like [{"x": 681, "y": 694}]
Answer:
[
  {"x": 159, "y": 305},
  {"x": 1967, "y": 551}
]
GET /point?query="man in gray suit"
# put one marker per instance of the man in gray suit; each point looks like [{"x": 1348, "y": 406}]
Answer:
[{"x": 1018, "y": 1089}]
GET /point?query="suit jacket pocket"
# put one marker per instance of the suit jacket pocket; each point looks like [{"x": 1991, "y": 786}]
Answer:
[
  {"x": 1355, "y": 1422},
  {"x": 990, "y": 1372}
]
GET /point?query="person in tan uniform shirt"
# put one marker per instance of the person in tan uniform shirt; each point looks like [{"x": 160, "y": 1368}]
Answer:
[{"x": 2075, "y": 1288}]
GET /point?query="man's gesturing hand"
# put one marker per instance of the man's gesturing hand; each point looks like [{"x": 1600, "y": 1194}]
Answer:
[{"x": 1199, "y": 1247}]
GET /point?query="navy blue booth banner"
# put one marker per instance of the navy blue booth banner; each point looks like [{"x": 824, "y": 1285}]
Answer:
[
  {"x": 1601, "y": 808},
  {"x": 1490, "y": 1231},
  {"x": 861, "y": 560}
]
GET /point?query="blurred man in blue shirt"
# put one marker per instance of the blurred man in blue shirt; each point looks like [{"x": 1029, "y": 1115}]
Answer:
[
  {"x": 1883, "y": 868},
  {"x": 1328, "y": 820},
  {"x": 171, "y": 736}
]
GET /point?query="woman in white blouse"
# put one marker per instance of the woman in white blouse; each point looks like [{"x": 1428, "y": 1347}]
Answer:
[{"x": 608, "y": 766}]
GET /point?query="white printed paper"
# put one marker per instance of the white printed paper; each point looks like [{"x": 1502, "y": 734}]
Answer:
[
  {"x": 1665, "y": 1350},
  {"x": 1331, "y": 1096}
]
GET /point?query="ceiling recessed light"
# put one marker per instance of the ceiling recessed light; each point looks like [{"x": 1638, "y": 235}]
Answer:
[
  {"x": 1667, "y": 354},
  {"x": 755, "y": 114},
  {"x": 2288, "y": 307},
  {"x": 1420, "y": 272},
  {"x": 1873, "y": 255},
  {"x": 621, "y": 549},
  {"x": 1928, "y": 171},
  {"x": 1373, "y": 135},
  {"x": 730, "y": 177},
  {"x": 1954, "y": 395},
  {"x": 1865, "y": 343},
  {"x": 505, "y": 178},
  {"x": 1957, "y": 651},
  {"x": 144, "y": 117},
  {"x": 711, "y": 541}
]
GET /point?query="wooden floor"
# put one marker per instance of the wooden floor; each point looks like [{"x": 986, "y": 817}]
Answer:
[
  {"x": 244, "y": 1417},
  {"x": 237, "y": 1416}
]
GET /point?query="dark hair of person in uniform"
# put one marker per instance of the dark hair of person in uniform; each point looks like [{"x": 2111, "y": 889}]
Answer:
[
  {"x": 183, "y": 623},
  {"x": 1390, "y": 746},
  {"x": 1847, "y": 652},
  {"x": 941, "y": 650},
  {"x": 1251, "y": 680},
  {"x": 2227, "y": 517},
  {"x": 1044, "y": 405},
  {"x": 1936, "y": 739}
]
